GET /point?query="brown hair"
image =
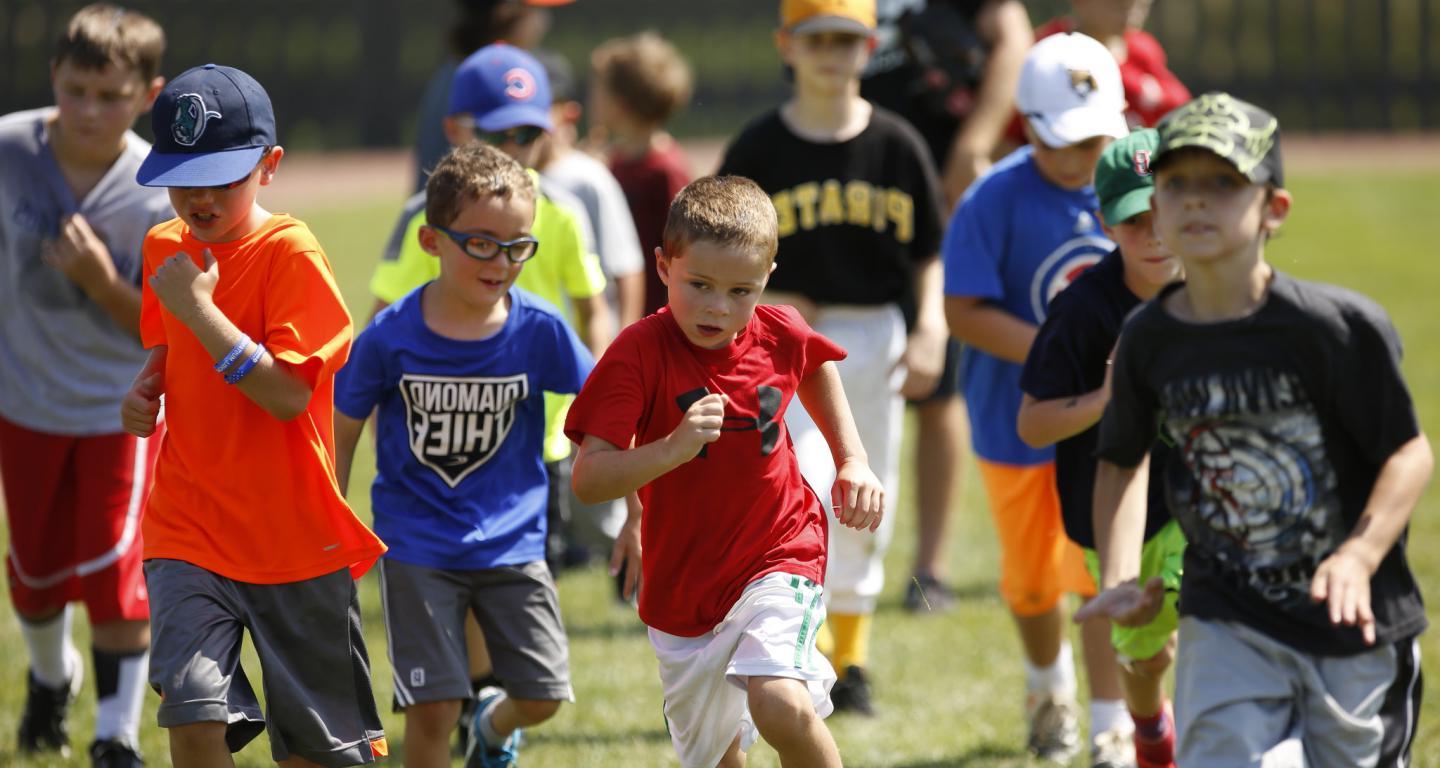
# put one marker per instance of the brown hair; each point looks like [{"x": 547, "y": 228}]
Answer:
[
  {"x": 645, "y": 74},
  {"x": 732, "y": 211},
  {"x": 102, "y": 34},
  {"x": 469, "y": 173}
]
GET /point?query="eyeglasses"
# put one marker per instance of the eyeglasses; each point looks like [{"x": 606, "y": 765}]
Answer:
[{"x": 485, "y": 247}]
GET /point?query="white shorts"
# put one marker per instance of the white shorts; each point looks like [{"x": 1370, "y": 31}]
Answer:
[{"x": 770, "y": 632}]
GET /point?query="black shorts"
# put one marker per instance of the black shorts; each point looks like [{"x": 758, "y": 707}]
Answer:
[{"x": 949, "y": 384}]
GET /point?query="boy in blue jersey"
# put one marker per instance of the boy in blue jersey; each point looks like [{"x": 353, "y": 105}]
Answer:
[
  {"x": 456, "y": 369},
  {"x": 1021, "y": 234}
]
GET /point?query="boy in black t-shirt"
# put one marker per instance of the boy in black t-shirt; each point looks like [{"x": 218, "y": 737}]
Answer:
[
  {"x": 1066, "y": 383},
  {"x": 1298, "y": 462},
  {"x": 858, "y": 204}
]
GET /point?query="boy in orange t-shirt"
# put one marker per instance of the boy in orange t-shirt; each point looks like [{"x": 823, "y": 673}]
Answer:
[{"x": 246, "y": 528}]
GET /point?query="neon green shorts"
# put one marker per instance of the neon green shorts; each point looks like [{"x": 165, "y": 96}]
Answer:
[{"x": 1164, "y": 556}]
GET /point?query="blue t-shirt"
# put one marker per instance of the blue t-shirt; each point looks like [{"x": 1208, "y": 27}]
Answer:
[
  {"x": 1016, "y": 240},
  {"x": 460, "y": 483}
]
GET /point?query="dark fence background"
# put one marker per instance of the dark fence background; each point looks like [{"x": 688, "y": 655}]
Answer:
[{"x": 349, "y": 73}]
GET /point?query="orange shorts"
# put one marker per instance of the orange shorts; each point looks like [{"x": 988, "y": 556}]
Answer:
[{"x": 1038, "y": 562}]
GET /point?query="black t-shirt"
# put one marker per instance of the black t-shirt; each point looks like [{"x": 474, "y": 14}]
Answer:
[
  {"x": 1068, "y": 359},
  {"x": 856, "y": 216},
  {"x": 1281, "y": 421}
]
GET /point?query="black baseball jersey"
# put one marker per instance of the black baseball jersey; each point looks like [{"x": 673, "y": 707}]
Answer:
[
  {"x": 855, "y": 216},
  {"x": 1281, "y": 421}
]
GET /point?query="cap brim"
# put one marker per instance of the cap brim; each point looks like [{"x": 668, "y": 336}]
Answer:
[
  {"x": 187, "y": 169},
  {"x": 514, "y": 116},
  {"x": 818, "y": 24},
  {"x": 1076, "y": 125},
  {"x": 1132, "y": 203}
]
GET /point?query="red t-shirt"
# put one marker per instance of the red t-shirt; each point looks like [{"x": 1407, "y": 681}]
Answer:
[
  {"x": 650, "y": 182},
  {"x": 740, "y": 509}
]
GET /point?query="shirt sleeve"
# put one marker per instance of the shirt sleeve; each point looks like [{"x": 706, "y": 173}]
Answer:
[
  {"x": 359, "y": 384},
  {"x": 306, "y": 323},
  {"x": 612, "y": 401},
  {"x": 404, "y": 266},
  {"x": 815, "y": 349},
  {"x": 1373, "y": 402},
  {"x": 1064, "y": 348},
  {"x": 975, "y": 244},
  {"x": 1130, "y": 423},
  {"x": 568, "y": 362}
]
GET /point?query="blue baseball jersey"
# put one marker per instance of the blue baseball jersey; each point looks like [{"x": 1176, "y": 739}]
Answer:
[
  {"x": 460, "y": 480},
  {"x": 1016, "y": 240}
]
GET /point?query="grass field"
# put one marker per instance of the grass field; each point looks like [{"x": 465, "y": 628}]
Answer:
[{"x": 948, "y": 686}]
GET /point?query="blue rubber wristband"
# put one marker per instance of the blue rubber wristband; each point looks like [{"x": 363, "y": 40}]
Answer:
[
  {"x": 239, "y": 373},
  {"x": 233, "y": 354}
]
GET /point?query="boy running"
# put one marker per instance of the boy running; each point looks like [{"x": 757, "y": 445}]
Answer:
[
  {"x": 688, "y": 407},
  {"x": 246, "y": 529}
]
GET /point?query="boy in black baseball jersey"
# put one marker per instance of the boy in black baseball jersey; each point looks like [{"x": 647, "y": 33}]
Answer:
[
  {"x": 858, "y": 203},
  {"x": 1298, "y": 461}
]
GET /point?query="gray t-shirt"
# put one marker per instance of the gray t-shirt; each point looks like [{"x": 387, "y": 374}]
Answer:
[{"x": 64, "y": 363}]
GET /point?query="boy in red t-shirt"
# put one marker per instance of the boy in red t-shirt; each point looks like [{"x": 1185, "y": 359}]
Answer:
[
  {"x": 246, "y": 528},
  {"x": 688, "y": 407}
]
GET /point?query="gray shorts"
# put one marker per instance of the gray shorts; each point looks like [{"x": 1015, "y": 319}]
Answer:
[
  {"x": 518, "y": 612},
  {"x": 312, "y": 659},
  {"x": 1245, "y": 699}
]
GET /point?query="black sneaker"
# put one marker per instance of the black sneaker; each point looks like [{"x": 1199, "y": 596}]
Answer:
[
  {"x": 111, "y": 753},
  {"x": 927, "y": 594},
  {"x": 851, "y": 693},
  {"x": 42, "y": 726}
]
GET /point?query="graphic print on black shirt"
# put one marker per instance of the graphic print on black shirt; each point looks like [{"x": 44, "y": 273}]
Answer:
[
  {"x": 457, "y": 424},
  {"x": 1255, "y": 486}
]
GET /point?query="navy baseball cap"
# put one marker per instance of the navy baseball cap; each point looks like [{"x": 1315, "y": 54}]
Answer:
[
  {"x": 502, "y": 87},
  {"x": 211, "y": 125}
]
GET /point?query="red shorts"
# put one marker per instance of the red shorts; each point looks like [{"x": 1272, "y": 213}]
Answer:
[{"x": 73, "y": 506}]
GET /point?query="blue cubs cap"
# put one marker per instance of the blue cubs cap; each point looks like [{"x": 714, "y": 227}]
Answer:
[
  {"x": 502, "y": 87},
  {"x": 211, "y": 125}
]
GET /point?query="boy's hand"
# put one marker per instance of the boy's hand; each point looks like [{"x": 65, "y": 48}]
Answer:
[
  {"x": 701, "y": 425},
  {"x": 858, "y": 499},
  {"x": 1126, "y": 604},
  {"x": 1343, "y": 581},
  {"x": 924, "y": 361},
  {"x": 625, "y": 558},
  {"x": 141, "y": 405},
  {"x": 183, "y": 288},
  {"x": 79, "y": 254}
]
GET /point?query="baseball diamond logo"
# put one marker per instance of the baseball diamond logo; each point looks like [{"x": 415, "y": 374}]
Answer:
[
  {"x": 190, "y": 119},
  {"x": 456, "y": 424},
  {"x": 519, "y": 84}
]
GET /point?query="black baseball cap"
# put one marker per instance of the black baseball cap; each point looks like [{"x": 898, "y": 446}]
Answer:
[
  {"x": 211, "y": 124},
  {"x": 1237, "y": 131}
]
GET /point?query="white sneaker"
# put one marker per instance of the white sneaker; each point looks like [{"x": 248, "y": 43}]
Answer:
[
  {"x": 1054, "y": 727},
  {"x": 1113, "y": 749}
]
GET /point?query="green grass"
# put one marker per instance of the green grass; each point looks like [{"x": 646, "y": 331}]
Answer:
[{"x": 948, "y": 686}]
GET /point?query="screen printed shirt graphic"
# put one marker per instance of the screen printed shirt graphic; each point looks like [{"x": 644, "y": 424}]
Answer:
[{"x": 456, "y": 424}]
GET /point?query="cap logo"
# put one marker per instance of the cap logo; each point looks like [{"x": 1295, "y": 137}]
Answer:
[
  {"x": 1216, "y": 122},
  {"x": 519, "y": 84},
  {"x": 1142, "y": 162},
  {"x": 190, "y": 119},
  {"x": 1082, "y": 82}
]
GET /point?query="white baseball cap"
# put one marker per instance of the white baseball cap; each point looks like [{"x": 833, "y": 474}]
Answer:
[{"x": 1070, "y": 90}]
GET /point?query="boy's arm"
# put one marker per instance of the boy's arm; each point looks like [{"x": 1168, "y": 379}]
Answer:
[
  {"x": 604, "y": 471},
  {"x": 857, "y": 496},
  {"x": 347, "y": 436},
  {"x": 1343, "y": 579},
  {"x": 1119, "y": 508},
  {"x": 989, "y": 328},
  {"x": 925, "y": 348},
  {"x": 630, "y": 291},
  {"x": 82, "y": 257},
  {"x": 592, "y": 322},
  {"x": 140, "y": 407},
  {"x": 1006, "y": 25},
  {"x": 1046, "y": 422},
  {"x": 189, "y": 295},
  {"x": 626, "y": 554}
]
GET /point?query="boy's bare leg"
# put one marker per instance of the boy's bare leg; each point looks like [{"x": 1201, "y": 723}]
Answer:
[
  {"x": 1144, "y": 679},
  {"x": 199, "y": 745},
  {"x": 1040, "y": 635},
  {"x": 121, "y": 636},
  {"x": 733, "y": 758},
  {"x": 1100, "y": 663},
  {"x": 785, "y": 716},
  {"x": 477, "y": 653},
  {"x": 510, "y": 714},
  {"x": 940, "y": 443},
  {"x": 427, "y": 733}
]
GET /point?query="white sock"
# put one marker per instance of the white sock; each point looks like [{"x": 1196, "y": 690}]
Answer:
[
  {"x": 52, "y": 656},
  {"x": 1109, "y": 715},
  {"x": 120, "y": 681},
  {"x": 1058, "y": 679},
  {"x": 487, "y": 724}
]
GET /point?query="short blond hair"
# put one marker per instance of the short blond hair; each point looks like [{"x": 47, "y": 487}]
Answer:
[
  {"x": 731, "y": 211},
  {"x": 469, "y": 173},
  {"x": 646, "y": 74},
  {"x": 101, "y": 34}
]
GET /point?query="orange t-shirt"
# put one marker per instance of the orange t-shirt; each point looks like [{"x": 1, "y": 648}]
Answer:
[{"x": 237, "y": 491}]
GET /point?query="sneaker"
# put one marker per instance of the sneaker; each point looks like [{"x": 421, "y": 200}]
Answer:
[
  {"x": 851, "y": 693},
  {"x": 480, "y": 754},
  {"x": 42, "y": 725},
  {"x": 111, "y": 753},
  {"x": 1113, "y": 749},
  {"x": 1054, "y": 727},
  {"x": 927, "y": 594}
]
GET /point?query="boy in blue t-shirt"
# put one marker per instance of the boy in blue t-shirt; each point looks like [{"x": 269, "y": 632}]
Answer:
[
  {"x": 456, "y": 369},
  {"x": 1021, "y": 234}
]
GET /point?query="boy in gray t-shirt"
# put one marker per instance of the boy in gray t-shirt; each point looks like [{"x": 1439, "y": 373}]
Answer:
[{"x": 72, "y": 220}]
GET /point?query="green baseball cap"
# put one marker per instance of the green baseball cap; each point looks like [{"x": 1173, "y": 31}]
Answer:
[
  {"x": 1122, "y": 178},
  {"x": 1237, "y": 131}
]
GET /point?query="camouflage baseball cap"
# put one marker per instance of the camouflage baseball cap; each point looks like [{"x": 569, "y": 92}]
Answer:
[
  {"x": 1238, "y": 131},
  {"x": 1122, "y": 177}
]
